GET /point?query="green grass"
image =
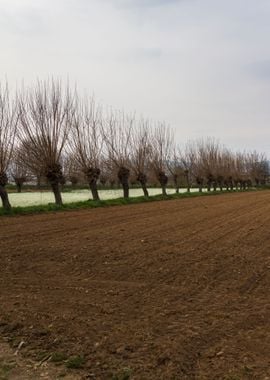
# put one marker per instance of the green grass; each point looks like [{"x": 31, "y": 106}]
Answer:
[
  {"x": 5, "y": 368},
  {"x": 108, "y": 203},
  {"x": 124, "y": 374},
  {"x": 75, "y": 362},
  {"x": 58, "y": 357}
]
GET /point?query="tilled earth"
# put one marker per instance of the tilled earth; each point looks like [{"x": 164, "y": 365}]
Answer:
[{"x": 163, "y": 290}]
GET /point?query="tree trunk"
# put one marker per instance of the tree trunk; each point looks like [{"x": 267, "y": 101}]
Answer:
[
  {"x": 144, "y": 188},
  {"x": 92, "y": 174},
  {"x": 210, "y": 181},
  {"x": 143, "y": 179},
  {"x": 199, "y": 181},
  {"x": 175, "y": 178},
  {"x": 125, "y": 190},
  {"x": 19, "y": 187},
  {"x": 123, "y": 176},
  {"x": 220, "y": 182},
  {"x": 94, "y": 190},
  {"x": 3, "y": 191},
  {"x": 4, "y": 198},
  {"x": 145, "y": 191},
  {"x": 38, "y": 182},
  {"x": 57, "y": 193},
  {"x": 163, "y": 180},
  {"x": 55, "y": 177},
  {"x": 186, "y": 172},
  {"x": 19, "y": 181}
]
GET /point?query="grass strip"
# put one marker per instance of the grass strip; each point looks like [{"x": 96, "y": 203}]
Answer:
[{"x": 51, "y": 207}]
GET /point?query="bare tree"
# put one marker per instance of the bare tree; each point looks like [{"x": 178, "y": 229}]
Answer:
[
  {"x": 26, "y": 157},
  {"x": 187, "y": 159},
  {"x": 161, "y": 152},
  {"x": 86, "y": 142},
  {"x": 8, "y": 127},
  {"x": 226, "y": 166},
  {"x": 240, "y": 171},
  {"x": 220, "y": 169},
  {"x": 107, "y": 176},
  {"x": 19, "y": 171},
  {"x": 117, "y": 134},
  {"x": 71, "y": 170},
  {"x": 208, "y": 156},
  {"x": 46, "y": 114},
  {"x": 175, "y": 167},
  {"x": 141, "y": 153},
  {"x": 257, "y": 167}
]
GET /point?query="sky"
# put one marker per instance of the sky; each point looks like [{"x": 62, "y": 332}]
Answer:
[{"x": 202, "y": 66}]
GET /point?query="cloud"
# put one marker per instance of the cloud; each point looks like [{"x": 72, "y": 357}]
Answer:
[
  {"x": 144, "y": 3},
  {"x": 259, "y": 69},
  {"x": 21, "y": 18},
  {"x": 203, "y": 66}
]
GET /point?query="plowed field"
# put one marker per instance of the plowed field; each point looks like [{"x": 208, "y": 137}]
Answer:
[{"x": 165, "y": 290}]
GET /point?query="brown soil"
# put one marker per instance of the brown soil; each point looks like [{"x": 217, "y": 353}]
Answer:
[
  {"x": 165, "y": 290},
  {"x": 15, "y": 367}
]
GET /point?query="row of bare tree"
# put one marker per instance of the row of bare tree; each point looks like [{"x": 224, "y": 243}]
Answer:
[{"x": 48, "y": 131}]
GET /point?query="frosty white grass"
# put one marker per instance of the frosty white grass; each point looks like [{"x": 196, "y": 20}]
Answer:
[{"x": 43, "y": 198}]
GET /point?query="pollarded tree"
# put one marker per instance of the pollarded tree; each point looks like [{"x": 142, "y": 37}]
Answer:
[
  {"x": 175, "y": 167},
  {"x": 257, "y": 167},
  {"x": 188, "y": 162},
  {"x": 26, "y": 156},
  {"x": 141, "y": 151},
  {"x": 71, "y": 170},
  {"x": 227, "y": 165},
  {"x": 8, "y": 127},
  {"x": 46, "y": 116},
  {"x": 240, "y": 171},
  {"x": 117, "y": 133},
  {"x": 19, "y": 171},
  {"x": 192, "y": 166},
  {"x": 221, "y": 168},
  {"x": 86, "y": 142},
  {"x": 208, "y": 155},
  {"x": 161, "y": 152}
]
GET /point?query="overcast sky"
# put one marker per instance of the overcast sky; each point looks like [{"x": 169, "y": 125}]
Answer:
[{"x": 203, "y": 66}]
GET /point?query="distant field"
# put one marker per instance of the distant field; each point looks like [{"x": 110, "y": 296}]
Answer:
[
  {"x": 40, "y": 198},
  {"x": 164, "y": 290}
]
